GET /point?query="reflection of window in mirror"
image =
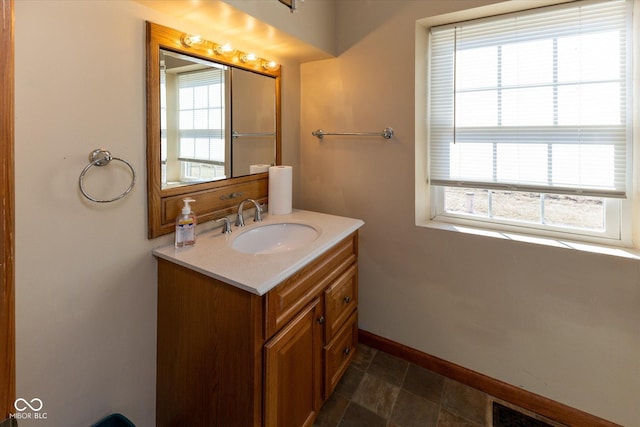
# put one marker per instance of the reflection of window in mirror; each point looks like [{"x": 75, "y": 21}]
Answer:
[
  {"x": 193, "y": 121},
  {"x": 201, "y": 125}
]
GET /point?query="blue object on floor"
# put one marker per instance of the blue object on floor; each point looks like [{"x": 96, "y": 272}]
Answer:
[{"x": 114, "y": 420}]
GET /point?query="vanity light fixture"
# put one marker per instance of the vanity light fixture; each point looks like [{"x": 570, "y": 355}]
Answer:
[
  {"x": 251, "y": 60},
  {"x": 270, "y": 65},
  {"x": 189, "y": 39},
  {"x": 224, "y": 49},
  {"x": 248, "y": 57}
]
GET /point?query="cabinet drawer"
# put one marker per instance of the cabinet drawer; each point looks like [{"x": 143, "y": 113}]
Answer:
[
  {"x": 288, "y": 298},
  {"x": 339, "y": 352},
  {"x": 341, "y": 298},
  {"x": 215, "y": 202}
]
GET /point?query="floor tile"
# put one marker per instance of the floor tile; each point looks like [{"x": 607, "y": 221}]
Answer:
[
  {"x": 447, "y": 419},
  {"x": 349, "y": 382},
  {"x": 411, "y": 410},
  {"x": 424, "y": 383},
  {"x": 381, "y": 390},
  {"x": 357, "y": 416},
  {"x": 364, "y": 356},
  {"x": 465, "y": 401},
  {"x": 332, "y": 411},
  {"x": 376, "y": 395},
  {"x": 389, "y": 368}
]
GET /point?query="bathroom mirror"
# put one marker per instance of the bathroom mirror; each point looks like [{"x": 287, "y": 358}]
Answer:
[
  {"x": 213, "y": 126},
  {"x": 216, "y": 121}
]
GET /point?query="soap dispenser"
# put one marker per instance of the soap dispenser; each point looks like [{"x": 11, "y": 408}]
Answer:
[{"x": 186, "y": 226}]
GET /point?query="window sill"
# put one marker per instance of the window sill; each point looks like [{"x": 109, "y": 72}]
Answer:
[{"x": 616, "y": 251}]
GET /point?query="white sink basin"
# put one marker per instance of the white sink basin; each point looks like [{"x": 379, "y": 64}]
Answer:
[{"x": 274, "y": 238}]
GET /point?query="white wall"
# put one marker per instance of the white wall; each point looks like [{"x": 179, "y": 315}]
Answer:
[
  {"x": 85, "y": 276},
  {"x": 558, "y": 322}
]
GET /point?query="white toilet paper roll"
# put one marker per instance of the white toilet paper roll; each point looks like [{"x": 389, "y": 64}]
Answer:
[
  {"x": 280, "y": 190},
  {"x": 259, "y": 168}
]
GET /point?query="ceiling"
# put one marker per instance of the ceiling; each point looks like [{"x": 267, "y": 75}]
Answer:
[{"x": 227, "y": 23}]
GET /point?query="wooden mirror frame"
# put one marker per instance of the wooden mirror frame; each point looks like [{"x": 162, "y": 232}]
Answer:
[{"x": 213, "y": 199}]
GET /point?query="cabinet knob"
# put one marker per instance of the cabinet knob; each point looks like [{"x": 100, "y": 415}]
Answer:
[
  {"x": 346, "y": 351},
  {"x": 347, "y": 299},
  {"x": 321, "y": 320}
]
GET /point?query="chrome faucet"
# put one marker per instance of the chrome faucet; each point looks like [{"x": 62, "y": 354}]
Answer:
[
  {"x": 257, "y": 217},
  {"x": 226, "y": 227}
]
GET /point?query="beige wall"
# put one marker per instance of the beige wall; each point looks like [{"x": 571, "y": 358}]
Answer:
[
  {"x": 85, "y": 276},
  {"x": 558, "y": 322}
]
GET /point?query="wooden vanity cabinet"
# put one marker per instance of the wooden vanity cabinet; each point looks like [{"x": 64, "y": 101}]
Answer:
[{"x": 227, "y": 357}]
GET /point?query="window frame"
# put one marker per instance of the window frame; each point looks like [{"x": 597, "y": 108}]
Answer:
[
  {"x": 613, "y": 234},
  {"x": 617, "y": 212}
]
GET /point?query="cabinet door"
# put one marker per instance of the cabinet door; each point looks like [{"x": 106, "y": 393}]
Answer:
[{"x": 293, "y": 371}]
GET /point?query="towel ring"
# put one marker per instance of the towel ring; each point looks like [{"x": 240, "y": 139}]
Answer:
[{"x": 100, "y": 157}]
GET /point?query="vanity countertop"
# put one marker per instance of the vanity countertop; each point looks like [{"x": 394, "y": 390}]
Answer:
[{"x": 213, "y": 256}]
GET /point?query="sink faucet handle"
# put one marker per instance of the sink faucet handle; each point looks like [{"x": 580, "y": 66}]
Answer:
[
  {"x": 240, "y": 217},
  {"x": 226, "y": 227},
  {"x": 257, "y": 216}
]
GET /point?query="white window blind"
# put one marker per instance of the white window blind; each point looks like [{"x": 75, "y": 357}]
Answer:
[
  {"x": 533, "y": 101},
  {"x": 202, "y": 119}
]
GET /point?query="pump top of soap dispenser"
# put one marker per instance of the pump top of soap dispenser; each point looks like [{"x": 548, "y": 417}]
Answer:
[{"x": 186, "y": 209}]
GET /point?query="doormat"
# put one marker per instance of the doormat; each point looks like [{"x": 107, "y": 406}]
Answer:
[{"x": 507, "y": 417}]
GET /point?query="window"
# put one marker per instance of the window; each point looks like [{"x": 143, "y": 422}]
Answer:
[
  {"x": 530, "y": 120},
  {"x": 201, "y": 96}
]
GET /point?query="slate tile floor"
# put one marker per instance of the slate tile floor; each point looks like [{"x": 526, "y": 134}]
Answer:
[{"x": 381, "y": 390}]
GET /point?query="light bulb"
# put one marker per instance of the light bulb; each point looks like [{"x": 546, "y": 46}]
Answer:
[
  {"x": 248, "y": 57},
  {"x": 224, "y": 49},
  {"x": 189, "y": 39},
  {"x": 270, "y": 65}
]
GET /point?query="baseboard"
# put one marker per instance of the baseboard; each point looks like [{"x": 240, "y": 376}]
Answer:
[{"x": 507, "y": 392}]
